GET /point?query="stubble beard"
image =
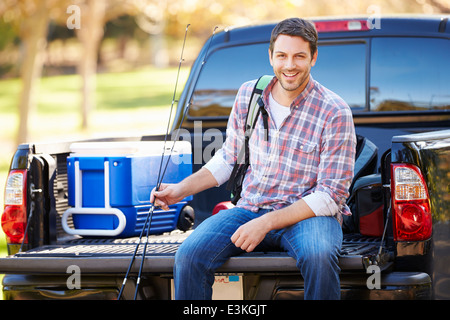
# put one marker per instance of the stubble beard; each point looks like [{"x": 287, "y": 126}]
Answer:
[{"x": 294, "y": 86}]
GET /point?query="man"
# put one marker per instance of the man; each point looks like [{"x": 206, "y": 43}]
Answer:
[{"x": 295, "y": 189}]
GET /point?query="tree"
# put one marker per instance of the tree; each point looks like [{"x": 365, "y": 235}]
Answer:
[
  {"x": 93, "y": 16},
  {"x": 31, "y": 20},
  {"x": 90, "y": 35},
  {"x": 33, "y": 35}
]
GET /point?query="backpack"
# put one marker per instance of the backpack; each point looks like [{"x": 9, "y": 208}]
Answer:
[
  {"x": 255, "y": 107},
  {"x": 366, "y": 193}
]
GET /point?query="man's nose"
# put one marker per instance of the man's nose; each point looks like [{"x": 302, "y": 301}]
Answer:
[{"x": 290, "y": 63}]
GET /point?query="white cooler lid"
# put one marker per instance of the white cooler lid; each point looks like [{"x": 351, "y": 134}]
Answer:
[{"x": 127, "y": 148}]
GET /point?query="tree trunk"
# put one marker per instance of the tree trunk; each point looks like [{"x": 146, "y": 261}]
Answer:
[
  {"x": 33, "y": 35},
  {"x": 90, "y": 35}
]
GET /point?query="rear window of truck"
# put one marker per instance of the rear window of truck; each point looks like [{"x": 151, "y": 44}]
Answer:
[
  {"x": 340, "y": 67},
  {"x": 409, "y": 74},
  {"x": 222, "y": 75},
  {"x": 405, "y": 74}
]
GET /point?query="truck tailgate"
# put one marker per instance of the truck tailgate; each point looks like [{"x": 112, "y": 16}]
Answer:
[{"x": 112, "y": 256}]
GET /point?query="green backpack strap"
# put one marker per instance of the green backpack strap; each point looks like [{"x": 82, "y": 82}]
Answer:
[{"x": 255, "y": 106}]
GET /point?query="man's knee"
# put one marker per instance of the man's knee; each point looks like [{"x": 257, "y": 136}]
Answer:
[
  {"x": 189, "y": 251},
  {"x": 321, "y": 251},
  {"x": 183, "y": 256}
]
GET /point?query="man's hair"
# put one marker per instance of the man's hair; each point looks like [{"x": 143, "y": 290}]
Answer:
[{"x": 296, "y": 27}]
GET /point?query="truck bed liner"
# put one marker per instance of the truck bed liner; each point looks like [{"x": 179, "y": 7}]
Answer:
[{"x": 113, "y": 256}]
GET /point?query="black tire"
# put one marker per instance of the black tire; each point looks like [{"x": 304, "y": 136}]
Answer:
[{"x": 186, "y": 218}]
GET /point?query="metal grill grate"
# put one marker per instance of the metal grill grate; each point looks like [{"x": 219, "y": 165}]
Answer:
[{"x": 100, "y": 250}]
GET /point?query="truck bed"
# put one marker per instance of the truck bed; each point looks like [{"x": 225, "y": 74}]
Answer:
[{"x": 113, "y": 255}]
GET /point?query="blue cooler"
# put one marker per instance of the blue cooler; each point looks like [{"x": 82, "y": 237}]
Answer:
[{"x": 110, "y": 183}]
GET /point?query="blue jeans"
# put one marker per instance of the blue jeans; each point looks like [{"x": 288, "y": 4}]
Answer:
[{"x": 314, "y": 243}]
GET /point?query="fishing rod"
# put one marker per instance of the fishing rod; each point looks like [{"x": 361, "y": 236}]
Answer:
[
  {"x": 161, "y": 176},
  {"x": 190, "y": 100},
  {"x": 158, "y": 183}
]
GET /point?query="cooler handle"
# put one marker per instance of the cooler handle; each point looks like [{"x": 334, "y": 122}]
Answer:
[
  {"x": 94, "y": 232},
  {"x": 78, "y": 209}
]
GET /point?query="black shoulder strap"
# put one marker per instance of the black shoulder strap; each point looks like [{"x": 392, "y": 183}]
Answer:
[{"x": 256, "y": 106}]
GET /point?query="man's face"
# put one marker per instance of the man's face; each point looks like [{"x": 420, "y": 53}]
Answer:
[{"x": 291, "y": 61}]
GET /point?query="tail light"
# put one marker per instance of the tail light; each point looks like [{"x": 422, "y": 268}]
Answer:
[
  {"x": 411, "y": 206},
  {"x": 14, "y": 218},
  {"x": 344, "y": 25}
]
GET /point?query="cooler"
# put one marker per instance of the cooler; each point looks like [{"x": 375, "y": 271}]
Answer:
[{"x": 109, "y": 185}]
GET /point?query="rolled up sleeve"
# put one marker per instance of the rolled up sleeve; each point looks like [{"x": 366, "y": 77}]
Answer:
[{"x": 337, "y": 159}]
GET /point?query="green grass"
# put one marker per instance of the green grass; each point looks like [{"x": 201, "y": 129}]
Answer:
[
  {"x": 9, "y": 91},
  {"x": 136, "y": 90},
  {"x": 148, "y": 87}
]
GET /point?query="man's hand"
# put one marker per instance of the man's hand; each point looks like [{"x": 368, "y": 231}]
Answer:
[
  {"x": 173, "y": 193},
  {"x": 250, "y": 234},
  {"x": 166, "y": 195}
]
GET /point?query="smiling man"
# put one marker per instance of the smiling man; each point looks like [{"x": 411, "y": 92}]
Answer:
[
  {"x": 291, "y": 59},
  {"x": 294, "y": 192}
]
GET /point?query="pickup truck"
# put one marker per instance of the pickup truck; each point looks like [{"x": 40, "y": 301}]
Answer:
[{"x": 393, "y": 73}]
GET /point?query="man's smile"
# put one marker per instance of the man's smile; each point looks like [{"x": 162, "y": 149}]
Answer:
[{"x": 290, "y": 75}]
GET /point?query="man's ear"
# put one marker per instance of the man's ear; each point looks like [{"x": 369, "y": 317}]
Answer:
[
  {"x": 314, "y": 58},
  {"x": 270, "y": 57}
]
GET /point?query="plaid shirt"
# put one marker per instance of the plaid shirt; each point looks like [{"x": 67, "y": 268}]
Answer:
[{"x": 313, "y": 151}]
